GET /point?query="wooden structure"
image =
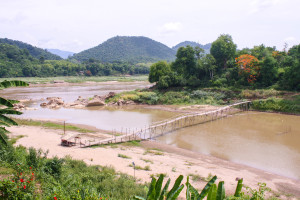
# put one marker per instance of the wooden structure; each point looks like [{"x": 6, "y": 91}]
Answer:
[{"x": 169, "y": 125}]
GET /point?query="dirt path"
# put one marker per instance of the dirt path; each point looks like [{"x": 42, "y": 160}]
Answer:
[{"x": 166, "y": 159}]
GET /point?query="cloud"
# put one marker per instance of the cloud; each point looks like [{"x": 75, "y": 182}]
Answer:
[
  {"x": 261, "y": 5},
  {"x": 171, "y": 27},
  {"x": 290, "y": 39}
]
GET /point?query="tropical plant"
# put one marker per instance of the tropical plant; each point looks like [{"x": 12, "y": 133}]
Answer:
[
  {"x": 155, "y": 192},
  {"x": 218, "y": 193},
  {"x": 6, "y": 107},
  {"x": 193, "y": 194}
]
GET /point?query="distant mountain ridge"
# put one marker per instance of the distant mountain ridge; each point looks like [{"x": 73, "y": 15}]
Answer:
[
  {"x": 128, "y": 49},
  {"x": 33, "y": 51},
  {"x": 206, "y": 47},
  {"x": 61, "y": 53}
]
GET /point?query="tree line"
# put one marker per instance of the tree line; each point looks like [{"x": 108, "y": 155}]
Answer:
[
  {"x": 16, "y": 62},
  {"x": 225, "y": 66}
]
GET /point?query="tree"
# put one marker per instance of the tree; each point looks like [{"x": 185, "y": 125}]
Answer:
[
  {"x": 185, "y": 63},
  {"x": 158, "y": 70},
  {"x": 248, "y": 67},
  {"x": 8, "y": 104},
  {"x": 268, "y": 71},
  {"x": 199, "y": 52},
  {"x": 209, "y": 65},
  {"x": 223, "y": 49}
]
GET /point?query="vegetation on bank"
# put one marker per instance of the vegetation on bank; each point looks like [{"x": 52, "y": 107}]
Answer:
[
  {"x": 291, "y": 105},
  {"x": 31, "y": 175},
  {"x": 257, "y": 68},
  {"x": 217, "y": 96},
  {"x": 52, "y": 125},
  {"x": 79, "y": 79}
]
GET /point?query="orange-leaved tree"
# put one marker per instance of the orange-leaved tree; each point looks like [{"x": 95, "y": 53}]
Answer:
[{"x": 248, "y": 67}]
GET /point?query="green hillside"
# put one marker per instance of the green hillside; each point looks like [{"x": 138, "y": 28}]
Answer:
[
  {"x": 128, "y": 49},
  {"x": 33, "y": 51},
  {"x": 206, "y": 47}
]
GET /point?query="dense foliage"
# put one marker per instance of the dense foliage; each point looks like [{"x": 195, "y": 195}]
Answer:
[
  {"x": 16, "y": 62},
  {"x": 29, "y": 49},
  {"x": 225, "y": 66},
  {"x": 128, "y": 49}
]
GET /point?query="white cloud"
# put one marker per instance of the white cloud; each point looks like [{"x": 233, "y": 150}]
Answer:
[
  {"x": 290, "y": 39},
  {"x": 261, "y": 5},
  {"x": 171, "y": 27}
]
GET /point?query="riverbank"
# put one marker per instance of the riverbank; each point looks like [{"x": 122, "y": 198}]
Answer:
[{"x": 158, "y": 158}]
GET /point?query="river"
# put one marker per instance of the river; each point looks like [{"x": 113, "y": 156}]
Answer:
[{"x": 266, "y": 141}]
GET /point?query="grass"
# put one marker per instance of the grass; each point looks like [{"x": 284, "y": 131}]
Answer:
[
  {"x": 15, "y": 139},
  {"x": 137, "y": 167},
  {"x": 157, "y": 175},
  {"x": 79, "y": 79},
  {"x": 197, "y": 177},
  {"x": 154, "y": 151},
  {"x": 133, "y": 143},
  {"x": 147, "y": 160},
  {"x": 6, "y": 171},
  {"x": 188, "y": 163},
  {"x": 52, "y": 125},
  {"x": 124, "y": 156}
]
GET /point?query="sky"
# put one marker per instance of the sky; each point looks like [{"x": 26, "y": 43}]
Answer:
[{"x": 76, "y": 25}]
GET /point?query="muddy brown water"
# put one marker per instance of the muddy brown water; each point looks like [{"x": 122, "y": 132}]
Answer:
[{"x": 266, "y": 141}]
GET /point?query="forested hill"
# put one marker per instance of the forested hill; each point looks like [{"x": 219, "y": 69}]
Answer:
[
  {"x": 128, "y": 49},
  {"x": 63, "y": 54},
  {"x": 33, "y": 51},
  {"x": 206, "y": 47}
]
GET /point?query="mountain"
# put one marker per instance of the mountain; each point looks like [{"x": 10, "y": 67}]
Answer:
[
  {"x": 206, "y": 47},
  {"x": 63, "y": 54},
  {"x": 134, "y": 49},
  {"x": 33, "y": 51}
]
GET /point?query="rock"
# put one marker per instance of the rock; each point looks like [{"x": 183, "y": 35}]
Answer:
[
  {"x": 19, "y": 106},
  {"x": 58, "y": 81},
  {"x": 43, "y": 104},
  {"x": 120, "y": 102},
  {"x": 53, "y": 103},
  {"x": 130, "y": 103},
  {"x": 95, "y": 102},
  {"x": 56, "y": 101},
  {"x": 109, "y": 95}
]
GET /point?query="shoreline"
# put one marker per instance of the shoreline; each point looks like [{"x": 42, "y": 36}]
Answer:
[{"x": 170, "y": 160}]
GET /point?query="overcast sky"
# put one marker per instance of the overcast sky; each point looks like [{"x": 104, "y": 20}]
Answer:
[{"x": 76, "y": 25}]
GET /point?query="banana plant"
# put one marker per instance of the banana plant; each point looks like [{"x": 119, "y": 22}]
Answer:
[
  {"x": 193, "y": 194},
  {"x": 218, "y": 193},
  {"x": 155, "y": 192},
  {"x": 6, "y": 107}
]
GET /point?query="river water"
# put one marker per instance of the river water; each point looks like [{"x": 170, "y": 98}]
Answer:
[{"x": 266, "y": 141}]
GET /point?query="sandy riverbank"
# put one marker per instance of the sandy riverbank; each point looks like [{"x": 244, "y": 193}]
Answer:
[{"x": 173, "y": 162}]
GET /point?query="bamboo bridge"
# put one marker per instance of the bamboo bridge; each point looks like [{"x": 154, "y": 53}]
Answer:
[{"x": 163, "y": 127}]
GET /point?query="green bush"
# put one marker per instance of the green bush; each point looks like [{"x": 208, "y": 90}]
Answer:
[{"x": 278, "y": 105}]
